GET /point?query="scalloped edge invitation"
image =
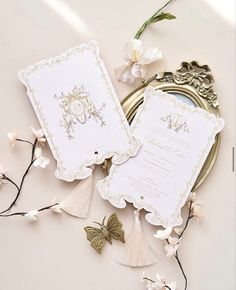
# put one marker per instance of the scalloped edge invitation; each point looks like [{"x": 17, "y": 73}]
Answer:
[
  {"x": 79, "y": 111},
  {"x": 176, "y": 139}
]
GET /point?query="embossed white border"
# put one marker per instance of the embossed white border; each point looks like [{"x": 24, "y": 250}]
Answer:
[
  {"x": 84, "y": 170},
  {"x": 119, "y": 199}
]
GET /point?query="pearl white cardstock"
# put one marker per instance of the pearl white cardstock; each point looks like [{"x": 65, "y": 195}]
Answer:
[
  {"x": 176, "y": 139},
  {"x": 79, "y": 111}
]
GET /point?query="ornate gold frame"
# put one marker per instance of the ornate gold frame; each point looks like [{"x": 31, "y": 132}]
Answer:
[{"x": 194, "y": 82}]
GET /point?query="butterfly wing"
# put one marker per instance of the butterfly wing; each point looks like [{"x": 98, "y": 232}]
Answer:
[
  {"x": 96, "y": 238},
  {"x": 114, "y": 227}
]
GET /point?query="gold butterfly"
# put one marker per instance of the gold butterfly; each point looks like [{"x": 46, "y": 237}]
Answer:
[{"x": 99, "y": 236}]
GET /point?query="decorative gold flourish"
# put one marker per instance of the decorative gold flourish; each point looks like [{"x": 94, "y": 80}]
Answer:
[
  {"x": 175, "y": 122},
  {"x": 200, "y": 77},
  {"x": 77, "y": 107}
]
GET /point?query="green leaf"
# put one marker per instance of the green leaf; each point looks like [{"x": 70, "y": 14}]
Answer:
[{"x": 163, "y": 16}]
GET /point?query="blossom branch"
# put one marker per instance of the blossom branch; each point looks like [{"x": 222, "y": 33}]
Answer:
[
  {"x": 172, "y": 243},
  {"x": 31, "y": 214},
  {"x": 160, "y": 284},
  {"x": 36, "y": 159},
  {"x": 190, "y": 215},
  {"x": 182, "y": 270},
  {"x": 4, "y": 177},
  {"x": 22, "y": 180},
  {"x": 24, "y": 141},
  {"x": 155, "y": 18}
]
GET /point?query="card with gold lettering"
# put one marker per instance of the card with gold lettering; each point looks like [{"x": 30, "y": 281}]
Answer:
[
  {"x": 79, "y": 111},
  {"x": 176, "y": 139}
]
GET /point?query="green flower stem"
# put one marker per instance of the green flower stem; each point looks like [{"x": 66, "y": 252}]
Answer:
[{"x": 154, "y": 18}]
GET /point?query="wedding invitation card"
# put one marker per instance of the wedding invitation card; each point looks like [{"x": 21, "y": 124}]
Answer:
[
  {"x": 79, "y": 111},
  {"x": 176, "y": 139}
]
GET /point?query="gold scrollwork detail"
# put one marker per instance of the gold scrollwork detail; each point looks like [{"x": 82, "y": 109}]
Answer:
[
  {"x": 200, "y": 77},
  {"x": 197, "y": 76}
]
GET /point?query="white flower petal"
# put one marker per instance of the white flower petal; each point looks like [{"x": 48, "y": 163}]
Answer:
[
  {"x": 173, "y": 241},
  {"x": 170, "y": 250},
  {"x": 163, "y": 234},
  {"x": 192, "y": 196},
  {"x": 123, "y": 73},
  {"x": 44, "y": 162},
  {"x": 39, "y": 134},
  {"x": 31, "y": 215},
  {"x": 133, "y": 50},
  {"x": 38, "y": 152},
  {"x": 37, "y": 162},
  {"x": 172, "y": 285},
  {"x": 57, "y": 208},
  {"x": 2, "y": 171},
  {"x": 178, "y": 230},
  {"x": 138, "y": 71},
  {"x": 12, "y": 138},
  {"x": 150, "y": 56}
]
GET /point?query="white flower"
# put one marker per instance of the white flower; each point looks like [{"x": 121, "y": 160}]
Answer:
[
  {"x": 39, "y": 135},
  {"x": 178, "y": 230},
  {"x": 171, "y": 250},
  {"x": 12, "y": 138},
  {"x": 31, "y": 215},
  {"x": 163, "y": 234},
  {"x": 171, "y": 247},
  {"x": 159, "y": 284},
  {"x": 172, "y": 285},
  {"x": 57, "y": 207},
  {"x": 40, "y": 160},
  {"x": 196, "y": 210},
  {"x": 2, "y": 172},
  {"x": 192, "y": 196},
  {"x": 136, "y": 61}
]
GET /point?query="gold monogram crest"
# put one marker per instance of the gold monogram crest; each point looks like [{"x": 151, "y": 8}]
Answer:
[
  {"x": 77, "y": 108},
  {"x": 175, "y": 122}
]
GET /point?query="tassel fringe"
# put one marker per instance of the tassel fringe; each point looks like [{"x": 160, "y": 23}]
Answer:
[
  {"x": 137, "y": 252},
  {"x": 78, "y": 202}
]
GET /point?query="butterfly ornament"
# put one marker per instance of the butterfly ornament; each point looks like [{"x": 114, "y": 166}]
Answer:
[{"x": 112, "y": 230}]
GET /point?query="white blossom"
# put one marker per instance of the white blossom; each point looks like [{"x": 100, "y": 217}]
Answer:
[
  {"x": 40, "y": 160},
  {"x": 158, "y": 284},
  {"x": 171, "y": 250},
  {"x": 57, "y": 208},
  {"x": 192, "y": 196},
  {"x": 31, "y": 215},
  {"x": 136, "y": 61},
  {"x": 171, "y": 285},
  {"x": 197, "y": 210},
  {"x": 12, "y": 138},
  {"x": 178, "y": 230},
  {"x": 2, "y": 172},
  {"x": 39, "y": 135},
  {"x": 163, "y": 234}
]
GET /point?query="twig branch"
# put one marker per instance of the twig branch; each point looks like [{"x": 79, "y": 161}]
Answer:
[
  {"x": 24, "y": 213},
  {"x": 182, "y": 270},
  {"x": 11, "y": 181},
  {"x": 24, "y": 141},
  {"x": 19, "y": 188},
  {"x": 188, "y": 219},
  {"x": 180, "y": 236}
]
